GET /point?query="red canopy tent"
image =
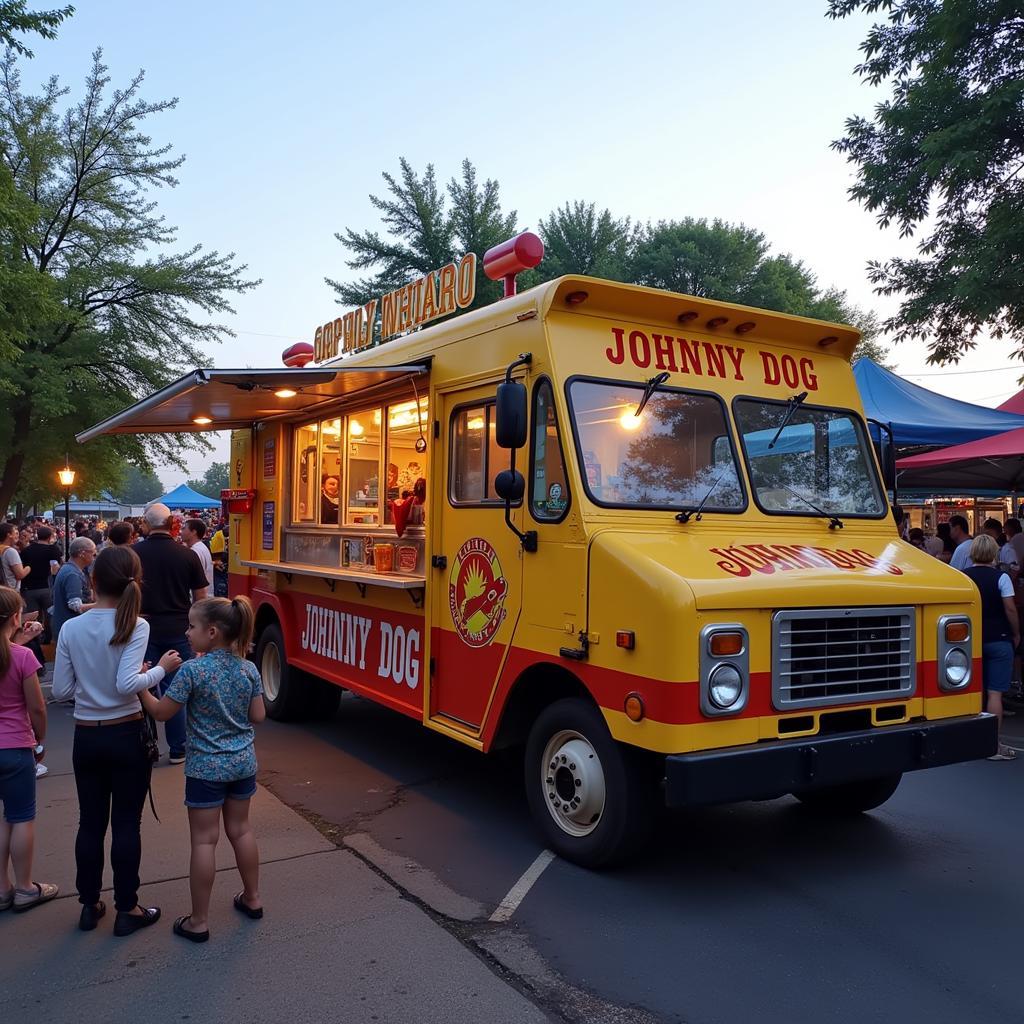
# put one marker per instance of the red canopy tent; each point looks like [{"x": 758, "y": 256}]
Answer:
[
  {"x": 1014, "y": 404},
  {"x": 995, "y": 462}
]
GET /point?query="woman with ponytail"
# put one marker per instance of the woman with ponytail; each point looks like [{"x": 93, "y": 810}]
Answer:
[
  {"x": 99, "y": 661},
  {"x": 224, "y": 697}
]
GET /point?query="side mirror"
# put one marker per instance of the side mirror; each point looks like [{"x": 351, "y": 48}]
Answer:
[
  {"x": 510, "y": 485},
  {"x": 510, "y": 415}
]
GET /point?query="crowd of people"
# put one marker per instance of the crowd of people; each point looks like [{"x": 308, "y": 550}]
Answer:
[
  {"x": 994, "y": 560},
  {"x": 138, "y": 638}
]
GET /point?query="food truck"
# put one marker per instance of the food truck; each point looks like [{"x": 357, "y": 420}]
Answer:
[{"x": 642, "y": 536}]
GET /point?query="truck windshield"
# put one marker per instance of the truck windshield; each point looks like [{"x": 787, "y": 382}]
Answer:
[
  {"x": 820, "y": 456},
  {"x": 669, "y": 457}
]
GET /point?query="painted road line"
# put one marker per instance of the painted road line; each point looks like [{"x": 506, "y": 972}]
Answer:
[{"x": 510, "y": 904}]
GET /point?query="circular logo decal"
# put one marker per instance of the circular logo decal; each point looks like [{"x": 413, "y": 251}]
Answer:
[{"x": 476, "y": 592}]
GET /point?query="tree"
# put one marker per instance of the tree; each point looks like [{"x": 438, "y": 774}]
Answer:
[
  {"x": 139, "y": 485},
  {"x": 733, "y": 263},
  {"x": 128, "y": 315},
  {"x": 945, "y": 154},
  {"x": 579, "y": 240},
  {"x": 213, "y": 481},
  {"x": 15, "y": 19},
  {"x": 424, "y": 232}
]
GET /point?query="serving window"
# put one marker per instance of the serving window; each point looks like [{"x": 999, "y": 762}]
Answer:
[{"x": 347, "y": 470}]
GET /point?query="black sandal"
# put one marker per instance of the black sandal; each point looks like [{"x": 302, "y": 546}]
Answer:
[
  {"x": 255, "y": 913},
  {"x": 179, "y": 929}
]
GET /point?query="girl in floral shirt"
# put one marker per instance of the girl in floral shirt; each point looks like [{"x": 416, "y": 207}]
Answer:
[{"x": 224, "y": 697}]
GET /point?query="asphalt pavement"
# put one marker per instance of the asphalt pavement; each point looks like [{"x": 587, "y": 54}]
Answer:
[
  {"x": 338, "y": 943},
  {"x": 757, "y": 911}
]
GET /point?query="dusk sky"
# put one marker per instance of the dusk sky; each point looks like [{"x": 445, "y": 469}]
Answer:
[{"x": 288, "y": 114}]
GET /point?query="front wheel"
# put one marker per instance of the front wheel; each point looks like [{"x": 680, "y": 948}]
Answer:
[
  {"x": 851, "y": 797},
  {"x": 591, "y": 797}
]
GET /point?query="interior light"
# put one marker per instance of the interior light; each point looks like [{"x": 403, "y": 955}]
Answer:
[
  {"x": 629, "y": 421},
  {"x": 355, "y": 428},
  {"x": 286, "y": 393},
  {"x": 376, "y": 417},
  {"x": 476, "y": 423},
  {"x": 333, "y": 428},
  {"x": 202, "y": 420}
]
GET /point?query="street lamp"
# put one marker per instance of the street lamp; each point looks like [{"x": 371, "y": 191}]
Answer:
[{"x": 67, "y": 481}]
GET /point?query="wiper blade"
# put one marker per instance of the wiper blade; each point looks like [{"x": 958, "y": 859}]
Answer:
[
  {"x": 684, "y": 517},
  {"x": 649, "y": 388},
  {"x": 794, "y": 403},
  {"x": 834, "y": 522}
]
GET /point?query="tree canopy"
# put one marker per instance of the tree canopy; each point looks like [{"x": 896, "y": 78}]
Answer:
[
  {"x": 138, "y": 486},
  {"x": 16, "y": 20},
  {"x": 426, "y": 228},
  {"x": 213, "y": 481},
  {"x": 945, "y": 155},
  {"x": 107, "y": 313}
]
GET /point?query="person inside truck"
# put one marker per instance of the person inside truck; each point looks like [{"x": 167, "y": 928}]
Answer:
[{"x": 330, "y": 492}]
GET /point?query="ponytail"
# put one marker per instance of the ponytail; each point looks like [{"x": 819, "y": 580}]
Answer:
[
  {"x": 235, "y": 620},
  {"x": 117, "y": 573},
  {"x": 10, "y": 605},
  {"x": 129, "y": 605}
]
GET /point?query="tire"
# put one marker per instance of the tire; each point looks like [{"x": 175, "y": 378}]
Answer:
[
  {"x": 283, "y": 687},
  {"x": 571, "y": 754},
  {"x": 850, "y": 797}
]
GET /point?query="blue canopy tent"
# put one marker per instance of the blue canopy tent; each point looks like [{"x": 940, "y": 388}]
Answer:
[
  {"x": 920, "y": 417},
  {"x": 184, "y": 497}
]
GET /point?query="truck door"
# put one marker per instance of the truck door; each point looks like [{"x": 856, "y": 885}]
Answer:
[{"x": 477, "y": 591}]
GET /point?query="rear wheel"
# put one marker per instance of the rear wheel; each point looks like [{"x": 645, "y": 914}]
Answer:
[
  {"x": 283, "y": 690},
  {"x": 592, "y": 798},
  {"x": 851, "y": 797}
]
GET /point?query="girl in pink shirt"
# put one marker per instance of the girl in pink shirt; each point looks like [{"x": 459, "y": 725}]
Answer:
[{"x": 22, "y": 731}]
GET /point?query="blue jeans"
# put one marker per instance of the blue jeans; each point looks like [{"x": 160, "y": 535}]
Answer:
[
  {"x": 18, "y": 784},
  {"x": 174, "y": 727},
  {"x": 997, "y": 665}
]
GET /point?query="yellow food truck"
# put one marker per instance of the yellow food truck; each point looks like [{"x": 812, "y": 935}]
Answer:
[{"x": 643, "y": 536}]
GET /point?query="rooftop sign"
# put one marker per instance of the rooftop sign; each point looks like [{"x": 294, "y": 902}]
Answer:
[{"x": 437, "y": 294}]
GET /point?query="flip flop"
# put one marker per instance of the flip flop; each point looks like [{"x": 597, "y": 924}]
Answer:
[
  {"x": 240, "y": 905},
  {"x": 179, "y": 929},
  {"x": 45, "y": 892}
]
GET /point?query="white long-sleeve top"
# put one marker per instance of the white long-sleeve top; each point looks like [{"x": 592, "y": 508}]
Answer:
[{"x": 102, "y": 679}]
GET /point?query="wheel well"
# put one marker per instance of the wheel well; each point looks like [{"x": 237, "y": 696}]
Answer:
[
  {"x": 539, "y": 686},
  {"x": 265, "y": 616}
]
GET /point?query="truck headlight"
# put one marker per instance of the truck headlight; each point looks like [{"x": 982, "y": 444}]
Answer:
[
  {"x": 724, "y": 669},
  {"x": 725, "y": 686},
  {"x": 957, "y": 667},
  {"x": 953, "y": 652}
]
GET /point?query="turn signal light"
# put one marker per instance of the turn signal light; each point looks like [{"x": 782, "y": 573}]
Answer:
[
  {"x": 634, "y": 706},
  {"x": 957, "y": 632},
  {"x": 725, "y": 645},
  {"x": 625, "y": 638}
]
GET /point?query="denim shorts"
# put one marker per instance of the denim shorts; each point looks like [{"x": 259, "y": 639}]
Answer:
[
  {"x": 997, "y": 665},
  {"x": 18, "y": 784},
  {"x": 207, "y": 793}
]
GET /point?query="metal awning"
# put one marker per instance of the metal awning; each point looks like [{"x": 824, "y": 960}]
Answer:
[{"x": 230, "y": 399}]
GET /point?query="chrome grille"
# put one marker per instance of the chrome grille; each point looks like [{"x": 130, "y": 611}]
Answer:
[{"x": 823, "y": 656}]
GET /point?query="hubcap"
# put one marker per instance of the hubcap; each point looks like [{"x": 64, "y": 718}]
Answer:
[
  {"x": 270, "y": 670},
  {"x": 573, "y": 783}
]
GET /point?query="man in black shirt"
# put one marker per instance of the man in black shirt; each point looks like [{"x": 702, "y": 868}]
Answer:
[
  {"x": 43, "y": 559},
  {"x": 172, "y": 578}
]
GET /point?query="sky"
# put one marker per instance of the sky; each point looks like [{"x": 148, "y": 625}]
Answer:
[{"x": 289, "y": 113}]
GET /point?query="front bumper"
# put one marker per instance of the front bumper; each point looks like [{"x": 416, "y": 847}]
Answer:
[{"x": 763, "y": 771}]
